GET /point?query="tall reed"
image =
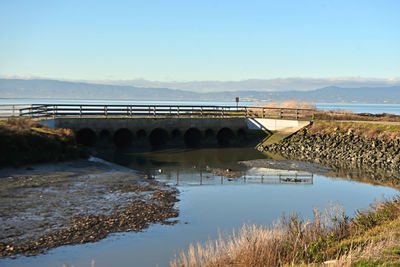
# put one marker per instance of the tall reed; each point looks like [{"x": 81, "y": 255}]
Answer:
[{"x": 291, "y": 240}]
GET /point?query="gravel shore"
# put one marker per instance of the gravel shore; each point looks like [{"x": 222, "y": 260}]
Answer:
[{"x": 49, "y": 205}]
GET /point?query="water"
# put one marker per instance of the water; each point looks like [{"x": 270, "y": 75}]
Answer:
[
  {"x": 210, "y": 203},
  {"x": 362, "y": 108},
  {"x": 11, "y": 101}
]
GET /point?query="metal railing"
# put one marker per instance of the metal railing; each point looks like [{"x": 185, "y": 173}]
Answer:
[
  {"x": 155, "y": 111},
  {"x": 16, "y": 110}
]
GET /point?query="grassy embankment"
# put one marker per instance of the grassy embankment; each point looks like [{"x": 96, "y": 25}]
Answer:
[
  {"x": 24, "y": 141},
  {"x": 371, "y": 238},
  {"x": 378, "y": 129}
]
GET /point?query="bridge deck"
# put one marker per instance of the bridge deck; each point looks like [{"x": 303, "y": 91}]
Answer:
[{"x": 151, "y": 111}]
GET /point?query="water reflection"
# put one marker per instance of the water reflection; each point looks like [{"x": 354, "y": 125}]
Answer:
[{"x": 251, "y": 176}]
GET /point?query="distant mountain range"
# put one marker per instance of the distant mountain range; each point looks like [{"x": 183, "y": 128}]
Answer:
[{"x": 54, "y": 89}]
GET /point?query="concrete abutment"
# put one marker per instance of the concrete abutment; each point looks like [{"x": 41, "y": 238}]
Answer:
[{"x": 161, "y": 132}]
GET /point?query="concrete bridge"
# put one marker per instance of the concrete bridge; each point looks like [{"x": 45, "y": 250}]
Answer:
[{"x": 160, "y": 125}]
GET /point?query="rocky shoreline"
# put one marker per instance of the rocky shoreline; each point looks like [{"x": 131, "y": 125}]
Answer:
[
  {"x": 378, "y": 158},
  {"x": 76, "y": 202}
]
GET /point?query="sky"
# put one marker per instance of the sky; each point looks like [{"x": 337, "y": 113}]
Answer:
[{"x": 199, "y": 40}]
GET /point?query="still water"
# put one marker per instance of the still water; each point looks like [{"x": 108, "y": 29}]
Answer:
[{"x": 210, "y": 202}]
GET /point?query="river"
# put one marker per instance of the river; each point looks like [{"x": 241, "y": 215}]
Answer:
[{"x": 217, "y": 194}]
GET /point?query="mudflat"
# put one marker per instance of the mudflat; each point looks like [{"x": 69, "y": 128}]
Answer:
[{"x": 48, "y": 205}]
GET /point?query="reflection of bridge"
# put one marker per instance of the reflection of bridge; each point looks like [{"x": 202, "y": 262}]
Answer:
[
  {"x": 160, "y": 124},
  {"x": 208, "y": 178}
]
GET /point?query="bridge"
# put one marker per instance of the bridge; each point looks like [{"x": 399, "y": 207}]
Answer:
[{"x": 158, "y": 125}]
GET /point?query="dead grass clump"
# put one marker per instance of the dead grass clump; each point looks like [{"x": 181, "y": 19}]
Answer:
[
  {"x": 292, "y": 240},
  {"x": 20, "y": 124}
]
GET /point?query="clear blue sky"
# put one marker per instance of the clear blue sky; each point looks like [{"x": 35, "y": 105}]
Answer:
[{"x": 199, "y": 40}]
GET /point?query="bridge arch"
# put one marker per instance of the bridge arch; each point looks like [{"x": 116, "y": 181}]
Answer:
[
  {"x": 123, "y": 137},
  {"x": 225, "y": 137},
  {"x": 86, "y": 136},
  {"x": 158, "y": 138},
  {"x": 192, "y": 137}
]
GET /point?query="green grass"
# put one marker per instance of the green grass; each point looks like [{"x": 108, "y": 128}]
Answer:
[{"x": 368, "y": 263}]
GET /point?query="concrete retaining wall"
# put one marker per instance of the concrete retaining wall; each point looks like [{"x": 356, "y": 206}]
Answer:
[
  {"x": 147, "y": 124},
  {"x": 271, "y": 124}
]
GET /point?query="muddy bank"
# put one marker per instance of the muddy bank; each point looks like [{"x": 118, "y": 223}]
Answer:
[
  {"x": 347, "y": 153},
  {"x": 49, "y": 205},
  {"x": 23, "y": 141}
]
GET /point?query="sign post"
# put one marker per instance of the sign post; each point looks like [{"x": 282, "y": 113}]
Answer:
[{"x": 237, "y": 103}]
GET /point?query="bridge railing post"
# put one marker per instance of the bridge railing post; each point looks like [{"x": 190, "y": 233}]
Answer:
[
  {"x": 154, "y": 111},
  {"x": 280, "y": 113},
  {"x": 297, "y": 114},
  {"x": 263, "y": 110},
  {"x": 177, "y": 111},
  {"x": 201, "y": 111},
  {"x": 80, "y": 111},
  {"x": 54, "y": 111}
]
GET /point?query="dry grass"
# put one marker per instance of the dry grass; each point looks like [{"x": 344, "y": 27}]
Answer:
[
  {"x": 368, "y": 130},
  {"x": 294, "y": 241},
  {"x": 24, "y": 141},
  {"x": 290, "y": 241},
  {"x": 21, "y": 125},
  {"x": 349, "y": 115}
]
